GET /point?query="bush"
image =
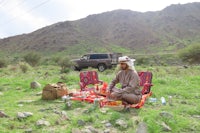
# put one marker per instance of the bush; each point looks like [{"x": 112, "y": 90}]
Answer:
[
  {"x": 13, "y": 68},
  {"x": 142, "y": 61},
  {"x": 32, "y": 58},
  {"x": 65, "y": 64},
  {"x": 3, "y": 63},
  {"x": 190, "y": 54},
  {"x": 56, "y": 59},
  {"x": 24, "y": 66}
]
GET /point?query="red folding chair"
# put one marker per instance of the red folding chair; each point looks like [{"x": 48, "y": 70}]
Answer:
[
  {"x": 145, "y": 84},
  {"x": 145, "y": 81},
  {"x": 89, "y": 78}
]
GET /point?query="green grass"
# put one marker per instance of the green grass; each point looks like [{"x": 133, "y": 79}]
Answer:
[{"x": 182, "y": 84}]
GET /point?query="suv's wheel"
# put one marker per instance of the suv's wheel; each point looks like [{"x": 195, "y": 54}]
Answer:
[
  {"x": 75, "y": 68},
  {"x": 101, "y": 67}
]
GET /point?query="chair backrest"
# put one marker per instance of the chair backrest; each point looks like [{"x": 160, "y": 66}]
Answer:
[
  {"x": 89, "y": 77},
  {"x": 145, "y": 81}
]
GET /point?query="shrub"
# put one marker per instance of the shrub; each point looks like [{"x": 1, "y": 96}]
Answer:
[
  {"x": 3, "y": 63},
  {"x": 109, "y": 71},
  {"x": 65, "y": 64},
  {"x": 24, "y": 66},
  {"x": 32, "y": 58},
  {"x": 142, "y": 61},
  {"x": 190, "y": 54},
  {"x": 56, "y": 59},
  {"x": 13, "y": 68},
  {"x": 50, "y": 60},
  {"x": 46, "y": 61},
  {"x": 65, "y": 70}
]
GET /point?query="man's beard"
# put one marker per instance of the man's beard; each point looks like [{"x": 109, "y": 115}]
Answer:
[{"x": 125, "y": 68}]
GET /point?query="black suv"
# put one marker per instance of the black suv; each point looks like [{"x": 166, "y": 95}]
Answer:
[{"x": 100, "y": 61}]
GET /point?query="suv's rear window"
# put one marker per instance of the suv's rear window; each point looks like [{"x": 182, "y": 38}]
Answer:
[{"x": 98, "y": 56}]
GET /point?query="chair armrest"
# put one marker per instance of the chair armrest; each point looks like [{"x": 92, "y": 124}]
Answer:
[
  {"x": 82, "y": 86},
  {"x": 100, "y": 82},
  {"x": 146, "y": 88},
  {"x": 148, "y": 84}
]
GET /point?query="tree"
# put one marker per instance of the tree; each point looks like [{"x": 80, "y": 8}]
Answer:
[
  {"x": 65, "y": 64},
  {"x": 190, "y": 54},
  {"x": 32, "y": 58}
]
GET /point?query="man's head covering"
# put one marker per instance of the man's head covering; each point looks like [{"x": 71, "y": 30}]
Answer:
[{"x": 128, "y": 61}]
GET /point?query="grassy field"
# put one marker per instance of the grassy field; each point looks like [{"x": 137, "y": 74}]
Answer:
[{"x": 182, "y": 116}]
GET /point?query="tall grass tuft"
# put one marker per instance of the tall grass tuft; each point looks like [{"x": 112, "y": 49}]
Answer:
[{"x": 24, "y": 66}]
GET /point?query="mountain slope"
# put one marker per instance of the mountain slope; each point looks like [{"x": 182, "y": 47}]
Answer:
[{"x": 116, "y": 31}]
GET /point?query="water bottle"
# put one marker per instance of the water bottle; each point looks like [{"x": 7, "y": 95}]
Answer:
[
  {"x": 96, "y": 102},
  {"x": 68, "y": 102},
  {"x": 64, "y": 98},
  {"x": 163, "y": 101},
  {"x": 152, "y": 100},
  {"x": 170, "y": 100}
]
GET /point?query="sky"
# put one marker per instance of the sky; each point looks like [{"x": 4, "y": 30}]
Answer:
[{"x": 25, "y": 16}]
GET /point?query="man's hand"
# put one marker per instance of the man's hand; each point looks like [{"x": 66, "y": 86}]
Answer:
[{"x": 108, "y": 93}]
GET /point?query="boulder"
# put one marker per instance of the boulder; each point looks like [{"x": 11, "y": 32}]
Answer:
[
  {"x": 25, "y": 101},
  {"x": 76, "y": 130},
  {"x": 27, "y": 114},
  {"x": 21, "y": 115},
  {"x": 108, "y": 124},
  {"x": 30, "y": 130},
  {"x": 165, "y": 127},
  {"x": 166, "y": 114},
  {"x": 106, "y": 131},
  {"x": 81, "y": 123},
  {"x": 92, "y": 129},
  {"x": 142, "y": 128},
  {"x": 39, "y": 93},
  {"x": 103, "y": 110},
  {"x": 121, "y": 123},
  {"x": 85, "y": 131},
  {"x": 2, "y": 114},
  {"x": 20, "y": 105},
  {"x": 35, "y": 85},
  {"x": 42, "y": 122},
  {"x": 196, "y": 116}
]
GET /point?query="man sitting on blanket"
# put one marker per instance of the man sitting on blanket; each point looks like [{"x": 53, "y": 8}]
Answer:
[{"x": 129, "y": 92}]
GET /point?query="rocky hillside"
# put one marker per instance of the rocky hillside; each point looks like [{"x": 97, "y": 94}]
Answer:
[{"x": 116, "y": 31}]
